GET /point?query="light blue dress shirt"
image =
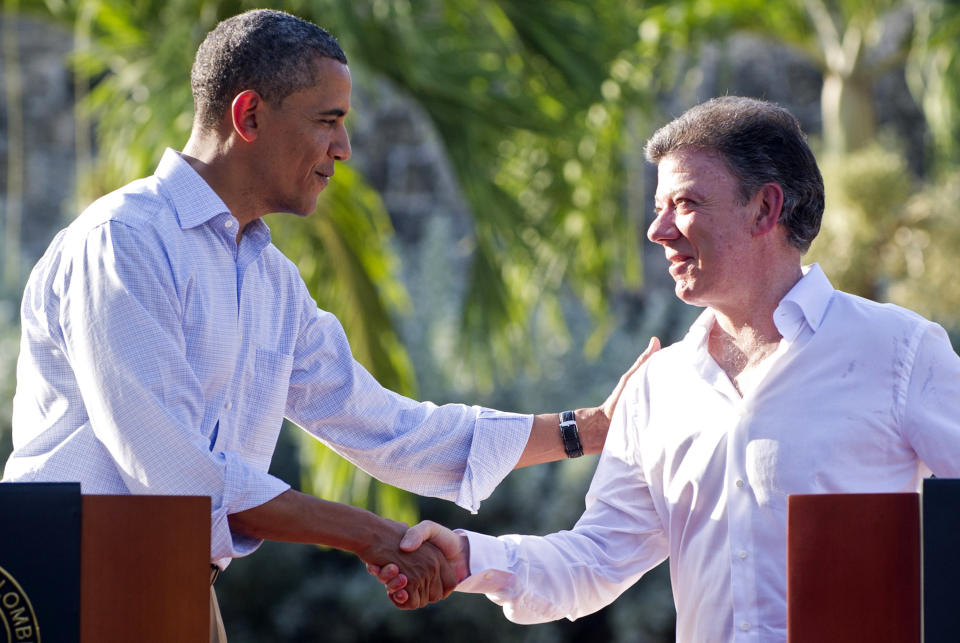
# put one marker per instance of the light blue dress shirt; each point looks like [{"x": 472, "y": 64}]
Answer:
[{"x": 159, "y": 356}]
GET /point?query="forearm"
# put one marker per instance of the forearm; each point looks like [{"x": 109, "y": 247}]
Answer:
[
  {"x": 297, "y": 517},
  {"x": 546, "y": 445}
]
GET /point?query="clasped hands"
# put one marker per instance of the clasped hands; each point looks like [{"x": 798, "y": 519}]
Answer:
[
  {"x": 432, "y": 560},
  {"x": 409, "y": 590}
]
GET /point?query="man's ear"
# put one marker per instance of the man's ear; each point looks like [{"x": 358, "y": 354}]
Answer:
[
  {"x": 245, "y": 114},
  {"x": 770, "y": 204}
]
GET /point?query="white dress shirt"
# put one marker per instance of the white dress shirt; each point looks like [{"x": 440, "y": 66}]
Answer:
[
  {"x": 858, "y": 397},
  {"x": 159, "y": 356}
]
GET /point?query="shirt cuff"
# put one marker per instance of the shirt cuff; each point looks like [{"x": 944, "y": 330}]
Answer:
[
  {"x": 488, "y": 565},
  {"x": 245, "y": 487},
  {"x": 498, "y": 442}
]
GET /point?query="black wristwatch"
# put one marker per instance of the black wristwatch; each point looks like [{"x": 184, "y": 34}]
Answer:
[{"x": 570, "y": 435}]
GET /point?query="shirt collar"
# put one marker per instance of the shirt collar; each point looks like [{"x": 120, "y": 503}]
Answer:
[
  {"x": 806, "y": 302},
  {"x": 193, "y": 199}
]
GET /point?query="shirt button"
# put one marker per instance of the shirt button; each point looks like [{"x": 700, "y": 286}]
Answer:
[
  {"x": 228, "y": 405},
  {"x": 739, "y": 484},
  {"x": 228, "y": 223},
  {"x": 745, "y": 627},
  {"x": 742, "y": 554}
]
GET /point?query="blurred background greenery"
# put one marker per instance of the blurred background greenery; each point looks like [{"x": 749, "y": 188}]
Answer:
[{"x": 486, "y": 242}]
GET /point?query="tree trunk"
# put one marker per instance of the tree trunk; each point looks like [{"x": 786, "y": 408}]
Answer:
[{"x": 847, "y": 108}]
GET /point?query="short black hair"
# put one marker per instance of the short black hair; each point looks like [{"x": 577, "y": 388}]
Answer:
[
  {"x": 761, "y": 143},
  {"x": 271, "y": 52}
]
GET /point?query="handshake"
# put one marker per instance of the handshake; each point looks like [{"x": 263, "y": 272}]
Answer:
[{"x": 431, "y": 562}]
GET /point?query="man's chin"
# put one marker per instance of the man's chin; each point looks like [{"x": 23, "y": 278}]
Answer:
[
  {"x": 684, "y": 291},
  {"x": 304, "y": 209}
]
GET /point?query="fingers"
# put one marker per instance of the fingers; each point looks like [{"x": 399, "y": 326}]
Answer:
[
  {"x": 611, "y": 402},
  {"x": 389, "y": 575},
  {"x": 652, "y": 347},
  {"x": 448, "y": 576},
  {"x": 432, "y": 577}
]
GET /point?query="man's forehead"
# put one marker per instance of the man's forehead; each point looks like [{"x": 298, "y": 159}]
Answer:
[
  {"x": 674, "y": 174},
  {"x": 331, "y": 88},
  {"x": 683, "y": 169}
]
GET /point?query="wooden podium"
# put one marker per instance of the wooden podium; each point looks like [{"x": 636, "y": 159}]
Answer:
[
  {"x": 878, "y": 568},
  {"x": 139, "y": 571},
  {"x": 853, "y": 568}
]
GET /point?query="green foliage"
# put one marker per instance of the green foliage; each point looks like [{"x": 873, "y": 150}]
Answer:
[
  {"x": 9, "y": 348},
  {"x": 866, "y": 192},
  {"x": 528, "y": 99},
  {"x": 934, "y": 75},
  {"x": 922, "y": 256},
  {"x": 132, "y": 67},
  {"x": 890, "y": 237}
]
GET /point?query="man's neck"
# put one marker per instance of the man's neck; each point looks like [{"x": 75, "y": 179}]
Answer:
[
  {"x": 743, "y": 350},
  {"x": 211, "y": 157},
  {"x": 743, "y": 336}
]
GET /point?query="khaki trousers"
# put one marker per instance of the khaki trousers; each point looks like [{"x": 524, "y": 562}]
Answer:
[{"x": 217, "y": 633}]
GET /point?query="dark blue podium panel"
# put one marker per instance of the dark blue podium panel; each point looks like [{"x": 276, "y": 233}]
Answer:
[
  {"x": 40, "y": 562},
  {"x": 941, "y": 560}
]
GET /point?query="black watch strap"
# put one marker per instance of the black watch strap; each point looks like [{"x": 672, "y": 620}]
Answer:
[{"x": 570, "y": 435}]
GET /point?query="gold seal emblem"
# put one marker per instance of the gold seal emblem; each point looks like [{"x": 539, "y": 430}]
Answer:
[{"x": 16, "y": 612}]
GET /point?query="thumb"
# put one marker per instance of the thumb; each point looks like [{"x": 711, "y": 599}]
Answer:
[
  {"x": 438, "y": 535},
  {"x": 652, "y": 347},
  {"x": 417, "y": 535}
]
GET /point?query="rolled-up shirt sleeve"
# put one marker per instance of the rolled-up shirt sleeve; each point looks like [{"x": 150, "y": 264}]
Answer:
[{"x": 123, "y": 336}]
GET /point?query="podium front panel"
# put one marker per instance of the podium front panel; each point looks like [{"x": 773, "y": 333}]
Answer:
[
  {"x": 853, "y": 568},
  {"x": 145, "y": 573}
]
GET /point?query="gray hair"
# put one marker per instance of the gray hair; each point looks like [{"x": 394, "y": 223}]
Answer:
[
  {"x": 761, "y": 143},
  {"x": 268, "y": 51}
]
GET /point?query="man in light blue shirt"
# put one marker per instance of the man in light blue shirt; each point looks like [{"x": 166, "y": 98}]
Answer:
[{"x": 165, "y": 338}]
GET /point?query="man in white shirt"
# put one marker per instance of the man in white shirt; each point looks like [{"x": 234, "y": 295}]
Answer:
[{"x": 783, "y": 385}]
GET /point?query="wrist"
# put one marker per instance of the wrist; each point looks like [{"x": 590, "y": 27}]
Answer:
[
  {"x": 463, "y": 571},
  {"x": 570, "y": 434},
  {"x": 592, "y": 424},
  {"x": 375, "y": 538}
]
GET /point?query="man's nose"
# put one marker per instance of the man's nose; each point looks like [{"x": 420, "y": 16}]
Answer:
[
  {"x": 663, "y": 227},
  {"x": 340, "y": 145}
]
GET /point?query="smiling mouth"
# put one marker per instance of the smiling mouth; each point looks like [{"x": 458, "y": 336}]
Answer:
[{"x": 679, "y": 264}]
